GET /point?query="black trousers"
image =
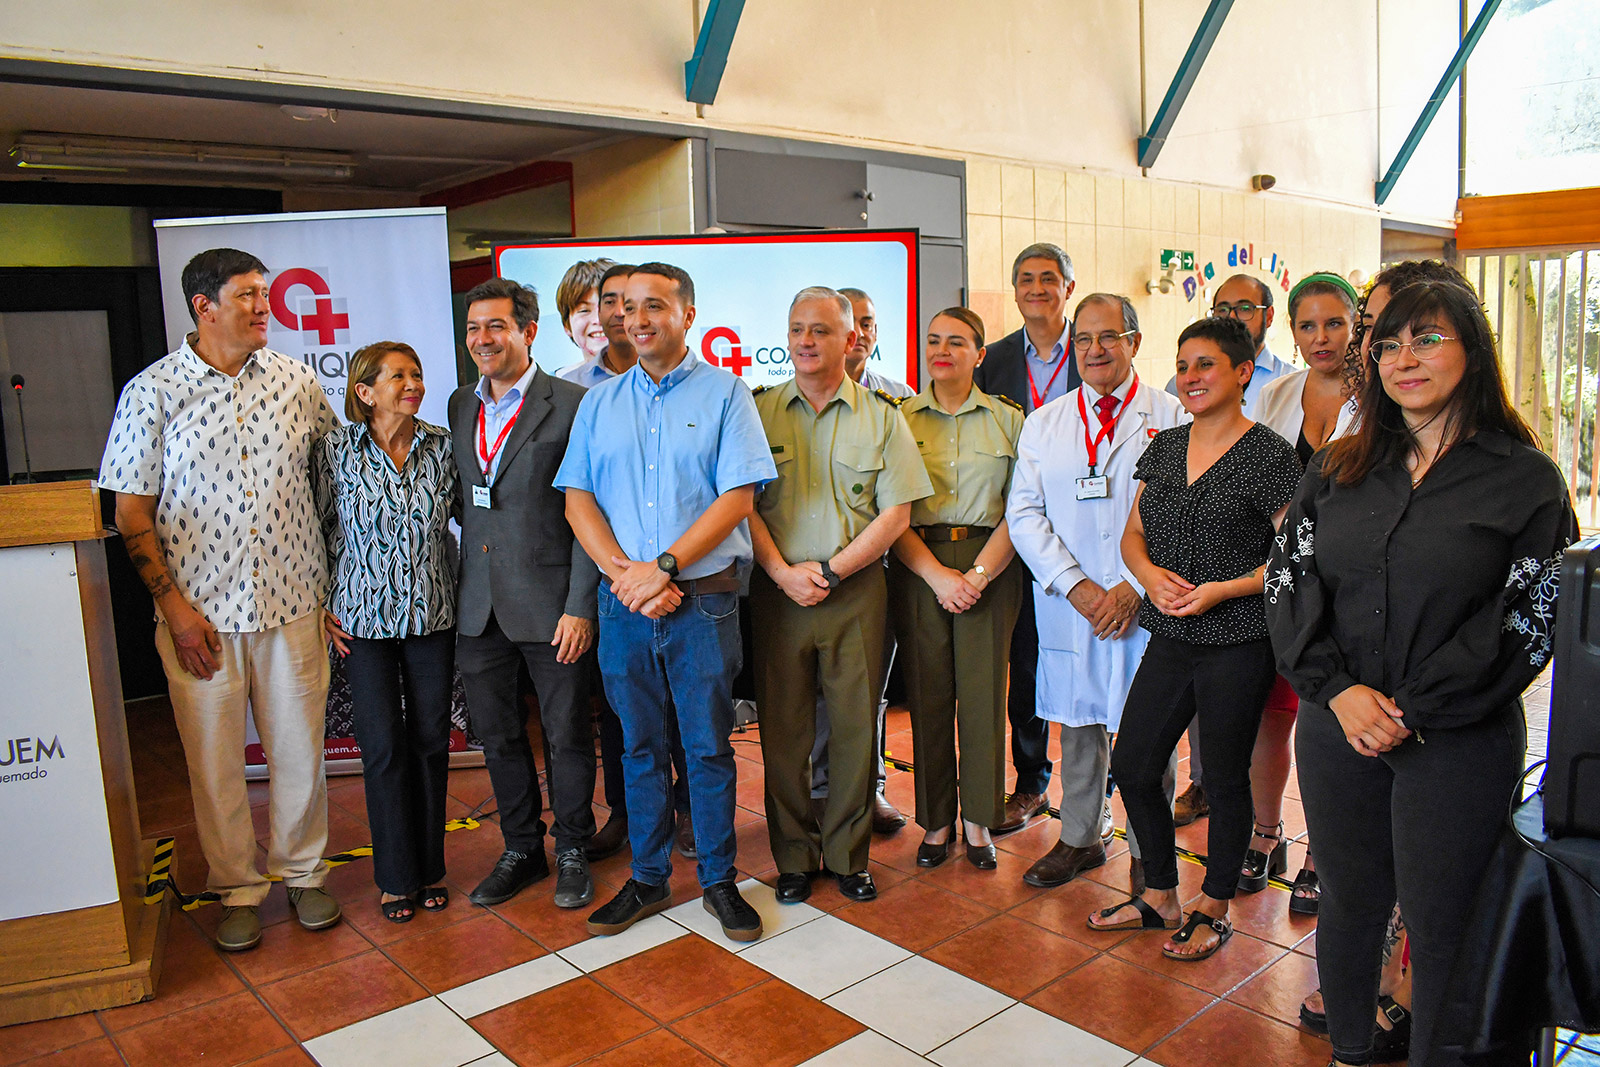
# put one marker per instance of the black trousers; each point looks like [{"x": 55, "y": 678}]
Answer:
[
  {"x": 400, "y": 700},
  {"x": 1030, "y": 735},
  {"x": 1419, "y": 822},
  {"x": 489, "y": 665},
  {"x": 611, "y": 756},
  {"x": 1228, "y": 686}
]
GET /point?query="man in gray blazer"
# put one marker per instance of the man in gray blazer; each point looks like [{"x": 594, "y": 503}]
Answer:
[{"x": 527, "y": 594}]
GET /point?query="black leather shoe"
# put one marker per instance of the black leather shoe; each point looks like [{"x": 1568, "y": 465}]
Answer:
[
  {"x": 858, "y": 886},
  {"x": 739, "y": 920},
  {"x": 1063, "y": 863},
  {"x": 886, "y": 818},
  {"x": 513, "y": 872},
  {"x": 633, "y": 902},
  {"x": 574, "y": 886},
  {"x": 982, "y": 857},
  {"x": 793, "y": 888},
  {"x": 609, "y": 839},
  {"x": 933, "y": 855}
]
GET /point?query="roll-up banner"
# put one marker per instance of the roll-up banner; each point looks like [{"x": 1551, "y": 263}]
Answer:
[
  {"x": 338, "y": 280},
  {"x": 743, "y": 284}
]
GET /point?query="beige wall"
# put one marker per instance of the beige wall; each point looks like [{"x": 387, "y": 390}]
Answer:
[
  {"x": 635, "y": 187},
  {"x": 1115, "y": 228},
  {"x": 1290, "y": 88}
]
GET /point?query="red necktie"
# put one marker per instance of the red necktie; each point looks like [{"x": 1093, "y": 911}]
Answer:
[{"x": 1104, "y": 407}]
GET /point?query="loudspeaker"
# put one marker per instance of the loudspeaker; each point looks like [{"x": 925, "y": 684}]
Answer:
[{"x": 1572, "y": 778}]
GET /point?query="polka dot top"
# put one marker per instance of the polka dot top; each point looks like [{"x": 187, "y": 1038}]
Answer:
[{"x": 1215, "y": 530}]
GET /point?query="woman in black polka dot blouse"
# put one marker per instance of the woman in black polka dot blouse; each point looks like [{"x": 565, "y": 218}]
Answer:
[{"x": 1213, "y": 494}]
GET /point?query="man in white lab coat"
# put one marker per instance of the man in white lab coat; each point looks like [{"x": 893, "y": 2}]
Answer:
[{"x": 1071, "y": 493}]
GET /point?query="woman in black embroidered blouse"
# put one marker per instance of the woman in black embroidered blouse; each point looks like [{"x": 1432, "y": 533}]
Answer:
[
  {"x": 1197, "y": 539},
  {"x": 1411, "y": 596}
]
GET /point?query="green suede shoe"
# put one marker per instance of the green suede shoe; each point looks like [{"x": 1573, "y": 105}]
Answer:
[
  {"x": 314, "y": 907},
  {"x": 240, "y": 929}
]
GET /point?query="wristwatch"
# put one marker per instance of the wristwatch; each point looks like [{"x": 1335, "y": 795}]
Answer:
[
  {"x": 827, "y": 574},
  {"x": 669, "y": 563},
  {"x": 981, "y": 572}
]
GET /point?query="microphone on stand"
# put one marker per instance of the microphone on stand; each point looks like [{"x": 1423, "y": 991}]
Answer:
[{"x": 27, "y": 460}]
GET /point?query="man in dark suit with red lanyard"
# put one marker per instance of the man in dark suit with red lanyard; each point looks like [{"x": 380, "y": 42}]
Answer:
[
  {"x": 527, "y": 596},
  {"x": 1033, "y": 366}
]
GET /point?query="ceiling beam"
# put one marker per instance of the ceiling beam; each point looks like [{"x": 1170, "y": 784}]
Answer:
[
  {"x": 1458, "y": 63},
  {"x": 1205, "y": 36},
  {"x": 702, "y": 75},
  {"x": 516, "y": 180}
]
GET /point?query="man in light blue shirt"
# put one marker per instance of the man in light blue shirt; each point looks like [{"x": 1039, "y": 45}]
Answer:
[
  {"x": 661, "y": 474},
  {"x": 1249, "y": 300}
]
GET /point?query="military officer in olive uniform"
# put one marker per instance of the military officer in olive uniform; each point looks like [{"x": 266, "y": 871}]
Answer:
[
  {"x": 848, "y": 471},
  {"x": 953, "y": 584}
]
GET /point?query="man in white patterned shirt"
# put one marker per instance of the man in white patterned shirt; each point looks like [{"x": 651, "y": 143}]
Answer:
[{"x": 209, "y": 456}]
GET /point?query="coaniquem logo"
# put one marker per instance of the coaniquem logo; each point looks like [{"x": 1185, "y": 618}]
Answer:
[
  {"x": 304, "y": 307},
  {"x": 24, "y": 758}
]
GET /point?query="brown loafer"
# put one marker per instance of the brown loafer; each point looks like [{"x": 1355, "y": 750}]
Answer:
[
  {"x": 886, "y": 818},
  {"x": 1020, "y": 807},
  {"x": 685, "y": 836},
  {"x": 1064, "y": 863},
  {"x": 609, "y": 839},
  {"x": 1190, "y": 805}
]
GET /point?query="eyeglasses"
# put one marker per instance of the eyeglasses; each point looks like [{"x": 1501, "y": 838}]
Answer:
[
  {"x": 1108, "y": 340},
  {"x": 1425, "y": 347},
  {"x": 1242, "y": 310}
]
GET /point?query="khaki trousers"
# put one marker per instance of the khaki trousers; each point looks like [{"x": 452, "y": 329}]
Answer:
[
  {"x": 955, "y": 670},
  {"x": 836, "y": 645},
  {"x": 281, "y": 676}
]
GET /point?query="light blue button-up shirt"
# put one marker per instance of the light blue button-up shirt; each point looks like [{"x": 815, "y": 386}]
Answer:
[
  {"x": 657, "y": 455},
  {"x": 496, "y": 414},
  {"x": 1041, "y": 371},
  {"x": 590, "y": 373}
]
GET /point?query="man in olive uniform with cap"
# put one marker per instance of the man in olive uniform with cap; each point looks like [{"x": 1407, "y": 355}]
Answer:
[{"x": 848, "y": 471}]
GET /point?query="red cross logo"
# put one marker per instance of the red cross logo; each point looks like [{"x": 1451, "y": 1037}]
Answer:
[
  {"x": 735, "y": 361},
  {"x": 325, "y": 318}
]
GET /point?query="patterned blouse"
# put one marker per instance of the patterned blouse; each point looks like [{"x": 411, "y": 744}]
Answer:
[
  {"x": 1442, "y": 596},
  {"x": 226, "y": 459},
  {"x": 389, "y": 544}
]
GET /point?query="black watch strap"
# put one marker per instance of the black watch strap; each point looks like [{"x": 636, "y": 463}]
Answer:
[
  {"x": 669, "y": 563},
  {"x": 827, "y": 573}
]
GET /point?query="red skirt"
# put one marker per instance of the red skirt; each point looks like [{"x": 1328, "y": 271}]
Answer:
[{"x": 1283, "y": 698}]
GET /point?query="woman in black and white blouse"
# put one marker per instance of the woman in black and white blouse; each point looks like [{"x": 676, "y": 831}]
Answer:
[
  {"x": 1411, "y": 596},
  {"x": 1213, "y": 492},
  {"x": 386, "y": 488}
]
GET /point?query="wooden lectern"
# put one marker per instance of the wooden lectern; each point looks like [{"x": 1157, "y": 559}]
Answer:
[{"x": 75, "y": 931}]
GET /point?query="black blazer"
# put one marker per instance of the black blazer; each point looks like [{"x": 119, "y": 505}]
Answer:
[
  {"x": 1004, "y": 370},
  {"x": 519, "y": 559}
]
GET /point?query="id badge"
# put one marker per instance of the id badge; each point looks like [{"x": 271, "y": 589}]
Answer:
[
  {"x": 481, "y": 498},
  {"x": 1094, "y": 488}
]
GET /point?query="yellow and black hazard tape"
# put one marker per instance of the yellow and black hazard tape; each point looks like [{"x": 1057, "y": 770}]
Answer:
[{"x": 160, "y": 880}]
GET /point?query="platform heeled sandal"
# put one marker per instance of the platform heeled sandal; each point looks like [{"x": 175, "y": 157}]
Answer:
[{"x": 1259, "y": 867}]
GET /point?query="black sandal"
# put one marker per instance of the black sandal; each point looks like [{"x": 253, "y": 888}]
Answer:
[
  {"x": 1259, "y": 867},
  {"x": 434, "y": 898},
  {"x": 1394, "y": 1044},
  {"x": 1197, "y": 919},
  {"x": 399, "y": 911},
  {"x": 1307, "y": 894},
  {"x": 1315, "y": 1021},
  {"x": 1149, "y": 918}
]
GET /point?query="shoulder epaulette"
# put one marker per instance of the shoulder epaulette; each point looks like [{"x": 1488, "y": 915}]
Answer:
[
  {"x": 892, "y": 401},
  {"x": 758, "y": 390},
  {"x": 1007, "y": 400}
]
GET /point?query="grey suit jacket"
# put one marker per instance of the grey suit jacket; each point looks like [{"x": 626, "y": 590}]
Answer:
[{"x": 519, "y": 559}]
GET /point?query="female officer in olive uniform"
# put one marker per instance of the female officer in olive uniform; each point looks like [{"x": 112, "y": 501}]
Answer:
[{"x": 951, "y": 585}]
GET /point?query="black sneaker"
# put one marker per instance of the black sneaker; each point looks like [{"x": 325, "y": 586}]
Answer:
[
  {"x": 512, "y": 873},
  {"x": 574, "y": 887},
  {"x": 739, "y": 920},
  {"x": 633, "y": 902}
]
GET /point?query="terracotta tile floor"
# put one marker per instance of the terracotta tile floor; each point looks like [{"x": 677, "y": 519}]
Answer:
[{"x": 948, "y": 966}]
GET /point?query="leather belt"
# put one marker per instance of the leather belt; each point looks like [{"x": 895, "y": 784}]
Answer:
[
  {"x": 945, "y": 532},
  {"x": 724, "y": 581}
]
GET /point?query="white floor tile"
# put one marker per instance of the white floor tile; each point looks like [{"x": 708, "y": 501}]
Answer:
[
  {"x": 868, "y": 1049},
  {"x": 497, "y": 1060},
  {"x": 513, "y": 983},
  {"x": 775, "y": 917},
  {"x": 825, "y": 955},
  {"x": 598, "y": 952},
  {"x": 919, "y": 1003},
  {"x": 423, "y": 1034},
  {"x": 1027, "y": 1035}
]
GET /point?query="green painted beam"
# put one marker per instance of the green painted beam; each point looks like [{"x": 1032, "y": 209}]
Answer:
[
  {"x": 1151, "y": 143},
  {"x": 702, "y": 75}
]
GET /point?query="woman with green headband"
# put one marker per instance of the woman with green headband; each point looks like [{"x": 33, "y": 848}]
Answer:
[{"x": 1308, "y": 409}]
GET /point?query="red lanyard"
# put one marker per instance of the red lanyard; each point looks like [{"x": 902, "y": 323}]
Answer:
[
  {"x": 1091, "y": 445},
  {"x": 485, "y": 453},
  {"x": 1038, "y": 401}
]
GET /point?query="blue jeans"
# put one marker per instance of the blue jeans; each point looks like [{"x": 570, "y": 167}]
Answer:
[{"x": 686, "y": 661}]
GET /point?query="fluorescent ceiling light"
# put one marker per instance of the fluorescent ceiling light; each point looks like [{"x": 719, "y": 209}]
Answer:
[{"x": 43, "y": 151}]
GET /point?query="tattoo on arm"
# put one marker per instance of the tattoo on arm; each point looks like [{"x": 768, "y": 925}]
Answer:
[{"x": 145, "y": 555}]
